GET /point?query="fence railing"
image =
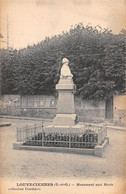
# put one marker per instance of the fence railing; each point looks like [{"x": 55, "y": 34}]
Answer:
[
  {"x": 38, "y": 136},
  {"x": 27, "y": 132}
]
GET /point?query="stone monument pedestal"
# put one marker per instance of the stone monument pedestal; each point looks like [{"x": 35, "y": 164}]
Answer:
[
  {"x": 65, "y": 105},
  {"x": 64, "y": 134},
  {"x": 65, "y": 119},
  {"x": 79, "y": 129}
]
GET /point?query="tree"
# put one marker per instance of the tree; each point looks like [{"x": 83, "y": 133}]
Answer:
[{"x": 97, "y": 61}]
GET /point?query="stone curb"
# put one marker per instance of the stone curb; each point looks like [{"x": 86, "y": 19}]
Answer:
[
  {"x": 20, "y": 146},
  {"x": 25, "y": 118},
  {"x": 116, "y": 128},
  {"x": 97, "y": 151},
  {"x": 5, "y": 124}
]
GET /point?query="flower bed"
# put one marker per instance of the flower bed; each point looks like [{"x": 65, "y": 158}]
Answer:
[{"x": 89, "y": 139}]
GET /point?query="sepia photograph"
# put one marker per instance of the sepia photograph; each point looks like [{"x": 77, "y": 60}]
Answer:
[{"x": 62, "y": 97}]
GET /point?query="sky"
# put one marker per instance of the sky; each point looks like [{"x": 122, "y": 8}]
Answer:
[{"x": 30, "y": 21}]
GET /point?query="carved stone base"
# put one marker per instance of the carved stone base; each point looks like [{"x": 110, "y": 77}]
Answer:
[
  {"x": 64, "y": 120},
  {"x": 79, "y": 129}
]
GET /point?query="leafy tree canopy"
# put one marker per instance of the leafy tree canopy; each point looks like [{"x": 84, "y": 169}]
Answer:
[{"x": 97, "y": 61}]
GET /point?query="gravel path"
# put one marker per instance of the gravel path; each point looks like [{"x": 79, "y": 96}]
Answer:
[
  {"x": 33, "y": 164},
  {"x": 36, "y": 165}
]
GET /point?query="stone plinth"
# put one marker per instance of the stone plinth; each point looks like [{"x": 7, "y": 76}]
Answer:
[
  {"x": 79, "y": 129},
  {"x": 64, "y": 119},
  {"x": 65, "y": 104}
]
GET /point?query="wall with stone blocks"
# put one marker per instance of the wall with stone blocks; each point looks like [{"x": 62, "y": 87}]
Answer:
[
  {"x": 91, "y": 114},
  {"x": 89, "y": 109},
  {"x": 10, "y": 100},
  {"x": 119, "y": 109}
]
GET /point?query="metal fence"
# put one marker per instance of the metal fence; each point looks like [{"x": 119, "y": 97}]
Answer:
[
  {"x": 38, "y": 136},
  {"x": 99, "y": 129}
]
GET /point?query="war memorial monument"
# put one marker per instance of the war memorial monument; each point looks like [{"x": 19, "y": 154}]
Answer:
[{"x": 65, "y": 133}]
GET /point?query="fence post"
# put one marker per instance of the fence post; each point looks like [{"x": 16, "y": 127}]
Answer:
[
  {"x": 20, "y": 137},
  {"x": 70, "y": 137},
  {"x": 26, "y": 129},
  {"x": 35, "y": 129},
  {"x": 69, "y": 140},
  {"x": 106, "y": 128},
  {"x": 42, "y": 134},
  {"x": 42, "y": 125},
  {"x": 17, "y": 134},
  {"x": 98, "y": 136}
]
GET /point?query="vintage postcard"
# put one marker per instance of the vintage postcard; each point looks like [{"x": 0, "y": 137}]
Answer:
[{"x": 62, "y": 97}]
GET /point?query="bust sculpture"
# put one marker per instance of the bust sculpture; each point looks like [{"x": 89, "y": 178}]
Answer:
[{"x": 65, "y": 70}]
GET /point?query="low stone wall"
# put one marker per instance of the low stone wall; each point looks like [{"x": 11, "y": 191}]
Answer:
[
  {"x": 91, "y": 114},
  {"x": 40, "y": 113},
  {"x": 45, "y": 107},
  {"x": 29, "y": 112},
  {"x": 10, "y": 111},
  {"x": 49, "y": 113}
]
